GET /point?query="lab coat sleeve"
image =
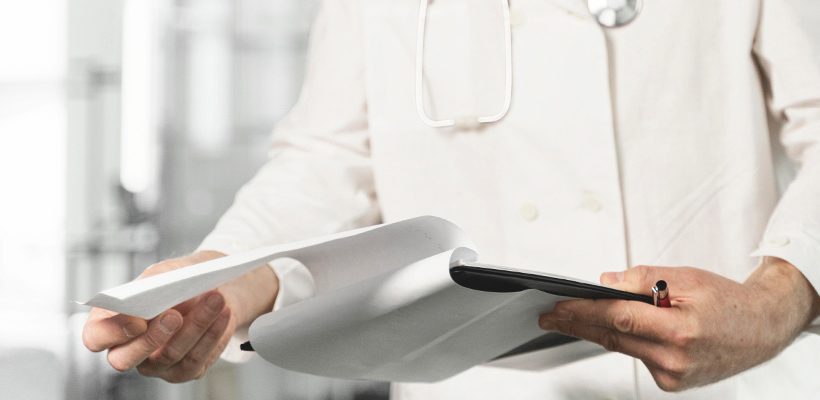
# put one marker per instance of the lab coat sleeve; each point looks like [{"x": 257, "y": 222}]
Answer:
[
  {"x": 785, "y": 54},
  {"x": 318, "y": 179}
]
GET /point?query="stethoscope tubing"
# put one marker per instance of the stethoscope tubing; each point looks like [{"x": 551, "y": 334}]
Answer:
[
  {"x": 468, "y": 121},
  {"x": 605, "y": 15}
]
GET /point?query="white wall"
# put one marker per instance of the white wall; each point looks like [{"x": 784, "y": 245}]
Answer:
[{"x": 32, "y": 211}]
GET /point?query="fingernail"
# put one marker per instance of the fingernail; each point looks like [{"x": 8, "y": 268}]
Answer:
[
  {"x": 563, "y": 315},
  {"x": 131, "y": 329},
  {"x": 214, "y": 302},
  {"x": 169, "y": 324},
  {"x": 546, "y": 324}
]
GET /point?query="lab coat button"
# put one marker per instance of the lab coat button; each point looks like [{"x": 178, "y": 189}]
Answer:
[
  {"x": 779, "y": 241},
  {"x": 591, "y": 203},
  {"x": 529, "y": 212},
  {"x": 517, "y": 18}
]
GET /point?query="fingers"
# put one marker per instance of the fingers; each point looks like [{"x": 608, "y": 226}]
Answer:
[
  {"x": 198, "y": 321},
  {"x": 610, "y": 339},
  {"x": 629, "y": 317},
  {"x": 132, "y": 353},
  {"x": 106, "y": 329},
  {"x": 639, "y": 279},
  {"x": 612, "y": 278},
  {"x": 186, "y": 306},
  {"x": 194, "y": 364},
  {"x": 666, "y": 381},
  {"x": 669, "y": 366},
  {"x": 167, "y": 338}
]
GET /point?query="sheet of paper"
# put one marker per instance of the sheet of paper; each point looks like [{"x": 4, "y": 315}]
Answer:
[
  {"x": 550, "y": 358},
  {"x": 335, "y": 261},
  {"x": 412, "y": 324},
  {"x": 386, "y": 307}
]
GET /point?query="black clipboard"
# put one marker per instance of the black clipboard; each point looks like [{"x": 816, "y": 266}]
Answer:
[{"x": 493, "y": 278}]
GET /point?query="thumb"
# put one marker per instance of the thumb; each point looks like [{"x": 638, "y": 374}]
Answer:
[{"x": 639, "y": 279}]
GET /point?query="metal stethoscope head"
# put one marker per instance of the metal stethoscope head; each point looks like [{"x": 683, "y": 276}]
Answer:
[
  {"x": 614, "y": 13},
  {"x": 608, "y": 13}
]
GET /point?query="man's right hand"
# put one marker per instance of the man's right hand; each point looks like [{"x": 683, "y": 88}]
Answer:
[{"x": 182, "y": 343}]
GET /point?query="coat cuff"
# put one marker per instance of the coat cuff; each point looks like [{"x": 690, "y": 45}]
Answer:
[
  {"x": 800, "y": 250},
  {"x": 295, "y": 285}
]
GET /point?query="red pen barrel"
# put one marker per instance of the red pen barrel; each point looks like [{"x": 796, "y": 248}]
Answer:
[{"x": 660, "y": 294}]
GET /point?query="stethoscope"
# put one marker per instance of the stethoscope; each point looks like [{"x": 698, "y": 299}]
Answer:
[{"x": 609, "y": 13}]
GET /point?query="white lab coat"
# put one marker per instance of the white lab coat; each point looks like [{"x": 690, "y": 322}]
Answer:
[{"x": 647, "y": 144}]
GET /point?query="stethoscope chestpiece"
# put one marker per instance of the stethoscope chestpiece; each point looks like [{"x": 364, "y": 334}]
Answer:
[{"x": 614, "y": 13}]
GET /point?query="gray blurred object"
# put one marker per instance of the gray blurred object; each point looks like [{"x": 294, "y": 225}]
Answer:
[
  {"x": 217, "y": 129},
  {"x": 29, "y": 373}
]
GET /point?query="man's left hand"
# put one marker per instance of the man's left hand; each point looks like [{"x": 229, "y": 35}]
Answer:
[{"x": 715, "y": 328}]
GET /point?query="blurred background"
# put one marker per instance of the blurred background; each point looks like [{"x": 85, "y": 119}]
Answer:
[{"x": 126, "y": 127}]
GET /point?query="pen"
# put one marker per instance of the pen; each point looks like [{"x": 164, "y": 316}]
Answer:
[{"x": 660, "y": 294}]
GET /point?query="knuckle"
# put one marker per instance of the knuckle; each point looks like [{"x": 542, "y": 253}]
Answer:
[
  {"x": 564, "y": 328},
  {"x": 88, "y": 341},
  {"x": 685, "y": 337},
  {"x": 670, "y": 384},
  {"x": 676, "y": 367},
  {"x": 640, "y": 273},
  {"x": 212, "y": 360},
  {"x": 169, "y": 355},
  {"x": 624, "y": 320},
  {"x": 154, "y": 339},
  {"x": 568, "y": 329},
  {"x": 202, "y": 320},
  {"x": 611, "y": 341},
  {"x": 214, "y": 333},
  {"x": 681, "y": 339},
  {"x": 671, "y": 367},
  {"x": 217, "y": 329},
  {"x": 175, "y": 377},
  {"x": 666, "y": 381},
  {"x": 200, "y": 323},
  {"x": 146, "y": 369},
  {"x": 574, "y": 331},
  {"x": 118, "y": 363},
  {"x": 194, "y": 359}
]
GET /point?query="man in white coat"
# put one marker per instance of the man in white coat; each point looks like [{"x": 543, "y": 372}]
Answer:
[{"x": 642, "y": 145}]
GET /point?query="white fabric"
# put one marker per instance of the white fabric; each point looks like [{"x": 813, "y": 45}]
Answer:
[{"x": 647, "y": 144}]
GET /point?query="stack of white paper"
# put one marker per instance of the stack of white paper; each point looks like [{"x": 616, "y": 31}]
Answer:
[{"x": 385, "y": 307}]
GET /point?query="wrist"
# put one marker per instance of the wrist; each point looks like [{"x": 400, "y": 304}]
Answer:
[
  {"x": 248, "y": 296},
  {"x": 252, "y": 294},
  {"x": 785, "y": 293}
]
